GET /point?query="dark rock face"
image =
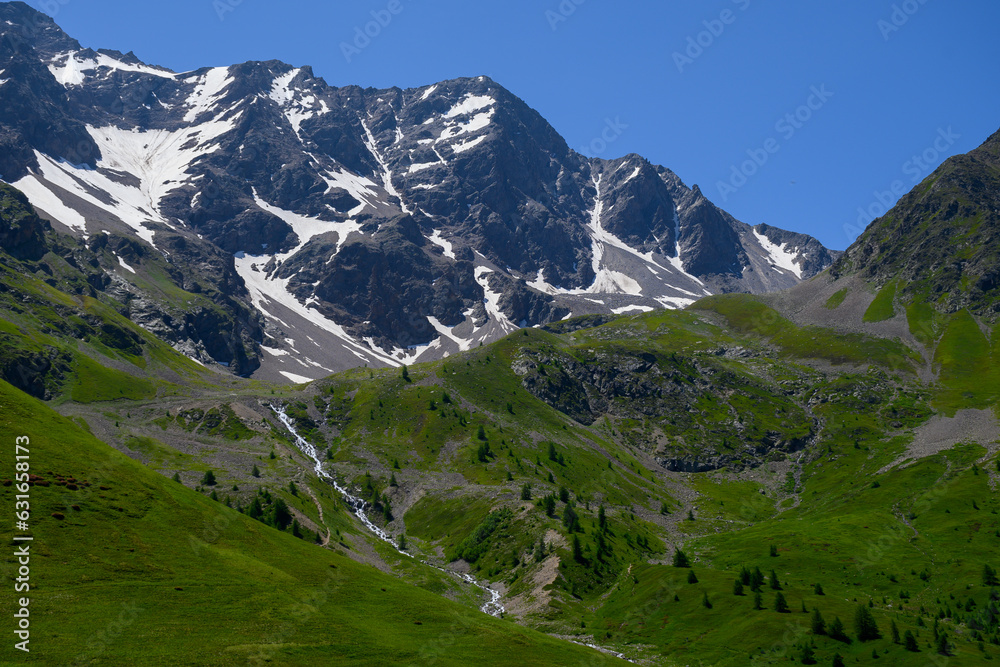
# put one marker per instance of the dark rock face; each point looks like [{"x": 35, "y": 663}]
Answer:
[
  {"x": 21, "y": 231},
  {"x": 380, "y": 209},
  {"x": 670, "y": 395}
]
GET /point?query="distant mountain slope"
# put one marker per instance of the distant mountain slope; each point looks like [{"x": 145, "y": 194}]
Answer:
[
  {"x": 942, "y": 240},
  {"x": 373, "y": 227}
]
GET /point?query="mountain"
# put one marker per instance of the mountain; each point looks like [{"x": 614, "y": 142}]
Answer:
[
  {"x": 340, "y": 226},
  {"x": 941, "y": 240}
]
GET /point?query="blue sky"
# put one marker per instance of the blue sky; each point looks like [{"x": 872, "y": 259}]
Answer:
[{"x": 793, "y": 113}]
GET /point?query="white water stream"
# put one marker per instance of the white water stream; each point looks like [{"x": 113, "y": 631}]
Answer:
[{"x": 359, "y": 507}]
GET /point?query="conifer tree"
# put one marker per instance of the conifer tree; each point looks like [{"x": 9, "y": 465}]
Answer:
[
  {"x": 681, "y": 559},
  {"x": 692, "y": 578},
  {"x": 910, "y": 642},
  {"x": 780, "y": 604},
  {"x": 737, "y": 587},
  {"x": 818, "y": 624},
  {"x": 894, "y": 631},
  {"x": 758, "y": 601},
  {"x": 836, "y": 631}
]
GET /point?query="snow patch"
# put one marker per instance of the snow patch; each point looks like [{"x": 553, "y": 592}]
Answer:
[
  {"x": 469, "y": 104},
  {"x": 492, "y": 300},
  {"x": 297, "y": 379},
  {"x": 468, "y": 145},
  {"x": 124, "y": 265},
  {"x": 211, "y": 87},
  {"x": 437, "y": 239},
  {"x": 306, "y": 228},
  {"x": 781, "y": 257},
  {"x": 39, "y": 195},
  {"x": 265, "y": 291}
]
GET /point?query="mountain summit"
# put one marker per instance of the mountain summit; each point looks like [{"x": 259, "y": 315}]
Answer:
[{"x": 366, "y": 226}]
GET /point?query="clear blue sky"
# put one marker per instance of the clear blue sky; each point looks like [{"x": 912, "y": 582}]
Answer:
[{"x": 895, "y": 92}]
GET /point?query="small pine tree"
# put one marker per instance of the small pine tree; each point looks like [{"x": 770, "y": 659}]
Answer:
[
  {"x": 817, "y": 622},
  {"x": 481, "y": 432},
  {"x": 681, "y": 559},
  {"x": 756, "y": 579},
  {"x": 894, "y": 631},
  {"x": 292, "y": 489},
  {"x": 704, "y": 600},
  {"x": 838, "y": 660},
  {"x": 836, "y": 631},
  {"x": 213, "y": 495},
  {"x": 910, "y": 642},
  {"x": 510, "y": 477},
  {"x": 808, "y": 656},
  {"x": 745, "y": 575},
  {"x": 176, "y": 477},
  {"x": 577, "y": 550},
  {"x": 758, "y": 601},
  {"x": 692, "y": 578},
  {"x": 550, "y": 505},
  {"x": 563, "y": 494},
  {"x": 255, "y": 472},
  {"x": 775, "y": 584},
  {"x": 690, "y": 516},
  {"x": 272, "y": 455},
  {"x": 296, "y": 529},
  {"x": 780, "y": 604},
  {"x": 737, "y": 587},
  {"x": 540, "y": 551},
  {"x": 552, "y": 452},
  {"x": 864, "y": 624},
  {"x": 818, "y": 589},
  {"x": 392, "y": 480},
  {"x": 664, "y": 508},
  {"x": 402, "y": 541},
  {"x": 552, "y": 480},
  {"x": 208, "y": 479},
  {"x": 602, "y": 519},
  {"x": 526, "y": 492},
  {"x": 990, "y": 576},
  {"x": 943, "y": 647},
  {"x": 774, "y": 551},
  {"x": 406, "y": 374}
]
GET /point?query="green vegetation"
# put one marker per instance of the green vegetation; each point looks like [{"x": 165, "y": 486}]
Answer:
[
  {"x": 882, "y": 307},
  {"x": 148, "y": 564},
  {"x": 838, "y": 298}
]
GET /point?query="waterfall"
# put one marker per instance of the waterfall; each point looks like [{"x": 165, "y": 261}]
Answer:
[{"x": 360, "y": 507}]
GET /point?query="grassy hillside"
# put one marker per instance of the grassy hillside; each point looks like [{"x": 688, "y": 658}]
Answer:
[
  {"x": 566, "y": 468},
  {"x": 132, "y": 568}
]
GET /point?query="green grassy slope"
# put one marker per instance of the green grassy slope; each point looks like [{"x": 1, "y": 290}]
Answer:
[{"x": 132, "y": 568}]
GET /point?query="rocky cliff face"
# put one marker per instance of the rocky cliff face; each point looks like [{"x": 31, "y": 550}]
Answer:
[{"x": 368, "y": 226}]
